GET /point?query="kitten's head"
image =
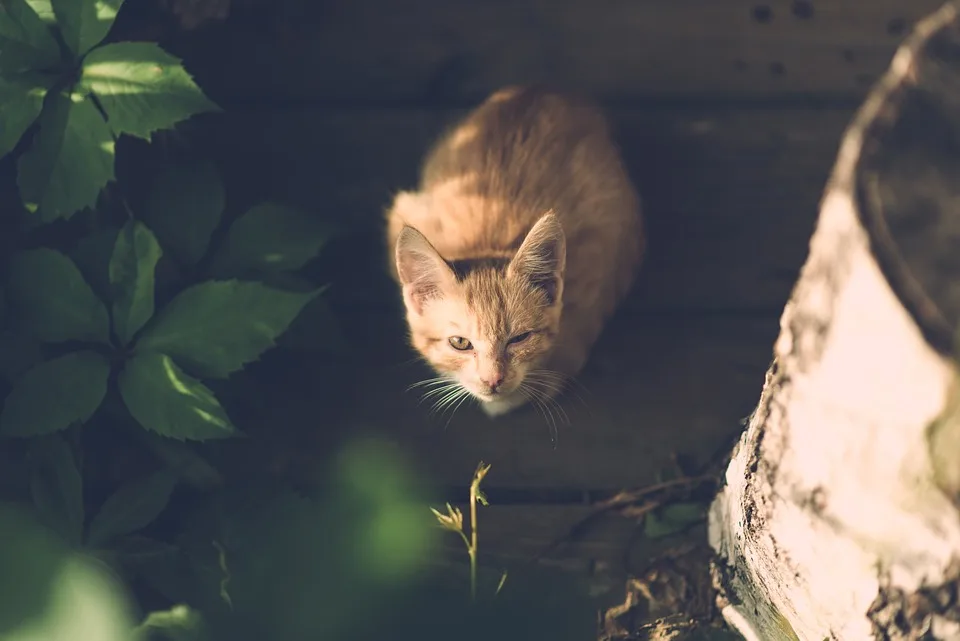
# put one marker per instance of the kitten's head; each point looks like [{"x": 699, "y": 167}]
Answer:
[{"x": 484, "y": 323}]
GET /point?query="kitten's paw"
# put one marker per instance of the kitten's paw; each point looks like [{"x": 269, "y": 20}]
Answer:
[{"x": 500, "y": 407}]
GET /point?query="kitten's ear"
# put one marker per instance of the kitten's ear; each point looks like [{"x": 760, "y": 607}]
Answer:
[
  {"x": 423, "y": 272},
  {"x": 542, "y": 257}
]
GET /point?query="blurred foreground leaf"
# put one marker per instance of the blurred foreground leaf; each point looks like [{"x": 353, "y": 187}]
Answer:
[
  {"x": 50, "y": 594},
  {"x": 179, "y": 623}
]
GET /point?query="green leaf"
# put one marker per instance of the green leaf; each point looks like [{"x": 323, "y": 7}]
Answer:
[
  {"x": 18, "y": 353},
  {"x": 672, "y": 518},
  {"x": 184, "y": 207},
  {"x": 269, "y": 238},
  {"x": 55, "y": 394},
  {"x": 92, "y": 256},
  {"x": 70, "y": 161},
  {"x": 50, "y": 594},
  {"x": 142, "y": 88},
  {"x": 132, "y": 507},
  {"x": 21, "y": 99},
  {"x": 162, "y": 398},
  {"x": 132, "y": 268},
  {"x": 25, "y": 40},
  {"x": 84, "y": 23},
  {"x": 217, "y": 327},
  {"x": 52, "y": 300},
  {"x": 56, "y": 487},
  {"x": 44, "y": 9}
]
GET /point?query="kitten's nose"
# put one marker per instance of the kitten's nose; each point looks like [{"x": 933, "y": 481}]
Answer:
[{"x": 493, "y": 383}]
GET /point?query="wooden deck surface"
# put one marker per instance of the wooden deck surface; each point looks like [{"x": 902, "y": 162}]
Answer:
[
  {"x": 729, "y": 115},
  {"x": 369, "y": 52}
]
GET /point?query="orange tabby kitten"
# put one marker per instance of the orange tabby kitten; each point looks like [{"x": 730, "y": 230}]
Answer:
[{"x": 523, "y": 238}]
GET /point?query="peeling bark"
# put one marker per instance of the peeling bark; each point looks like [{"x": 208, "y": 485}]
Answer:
[{"x": 839, "y": 518}]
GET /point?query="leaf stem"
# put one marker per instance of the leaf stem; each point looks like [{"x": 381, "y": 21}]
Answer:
[{"x": 472, "y": 547}]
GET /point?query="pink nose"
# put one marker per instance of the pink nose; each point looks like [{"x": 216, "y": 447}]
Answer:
[{"x": 493, "y": 382}]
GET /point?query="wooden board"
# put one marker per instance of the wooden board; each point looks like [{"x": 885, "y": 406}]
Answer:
[
  {"x": 360, "y": 52},
  {"x": 731, "y": 195}
]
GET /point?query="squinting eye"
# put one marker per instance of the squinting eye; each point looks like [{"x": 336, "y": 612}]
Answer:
[
  {"x": 519, "y": 338},
  {"x": 459, "y": 343}
]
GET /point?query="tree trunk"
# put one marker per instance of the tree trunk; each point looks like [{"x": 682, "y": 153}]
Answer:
[{"x": 839, "y": 516}]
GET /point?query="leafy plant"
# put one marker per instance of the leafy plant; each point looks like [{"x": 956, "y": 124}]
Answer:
[
  {"x": 157, "y": 357},
  {"x": 57, "y": 77}
]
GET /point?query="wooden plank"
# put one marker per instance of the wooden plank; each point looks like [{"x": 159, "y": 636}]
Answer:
[
  {"x": 369, "y": 51},
  {"x": 655, "y": 387},
  {"x": 731, "y": 195}
]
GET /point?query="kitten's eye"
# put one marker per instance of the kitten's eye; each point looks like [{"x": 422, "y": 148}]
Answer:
[
  {"x": 519, "y": 338},
  {"x": 459, "y": 343}
]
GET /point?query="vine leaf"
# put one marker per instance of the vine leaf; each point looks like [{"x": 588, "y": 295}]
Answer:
[
  {"x": 44, "y": 9},
  {"x": 216, "y": 327},
  {"x": 269, "y": 238},
  {"x": 55, "y": 394},
  {"x": 52, "y": 300},
  {"x": 56, "y": 487},
  {"x": 25, "y": 39},
  {"x": 70, "y": 161},
  {"x": 132, "y": 266},
  {"x": 165, "y": 400},
  {"x": 132, "y": 507},
  {"x": 183, "y": 208},
  {"x": 92, "y": 255},
  {"x": 84, "y": 23},
  {"x": 21, "y": 99},
  {"x": 142, "y": 88}
]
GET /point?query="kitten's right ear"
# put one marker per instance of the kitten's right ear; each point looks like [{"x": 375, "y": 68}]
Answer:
[{"x": 423, "y": 272}]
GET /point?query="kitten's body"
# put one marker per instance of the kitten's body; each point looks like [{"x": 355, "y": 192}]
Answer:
[{"x": 484, "y": 186}]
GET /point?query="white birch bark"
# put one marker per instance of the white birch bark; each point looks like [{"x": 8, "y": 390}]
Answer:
[{"x": 839, "y": 518}]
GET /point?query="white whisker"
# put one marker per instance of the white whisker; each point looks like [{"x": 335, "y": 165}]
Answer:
[
  {"x": 430, "y": 382},
  {"x": 451, "y": 395},
  {"x": 544, "y": 402},
  {"x": 466, "y": 395}
]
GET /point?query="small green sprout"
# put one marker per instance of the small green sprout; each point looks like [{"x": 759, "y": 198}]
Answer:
[{"x": 453, "y": 521}]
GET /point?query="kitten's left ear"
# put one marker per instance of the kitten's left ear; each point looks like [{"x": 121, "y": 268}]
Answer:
[
  {"x": 542, "y": 257},
  {"x": 423, "y": 272}
]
